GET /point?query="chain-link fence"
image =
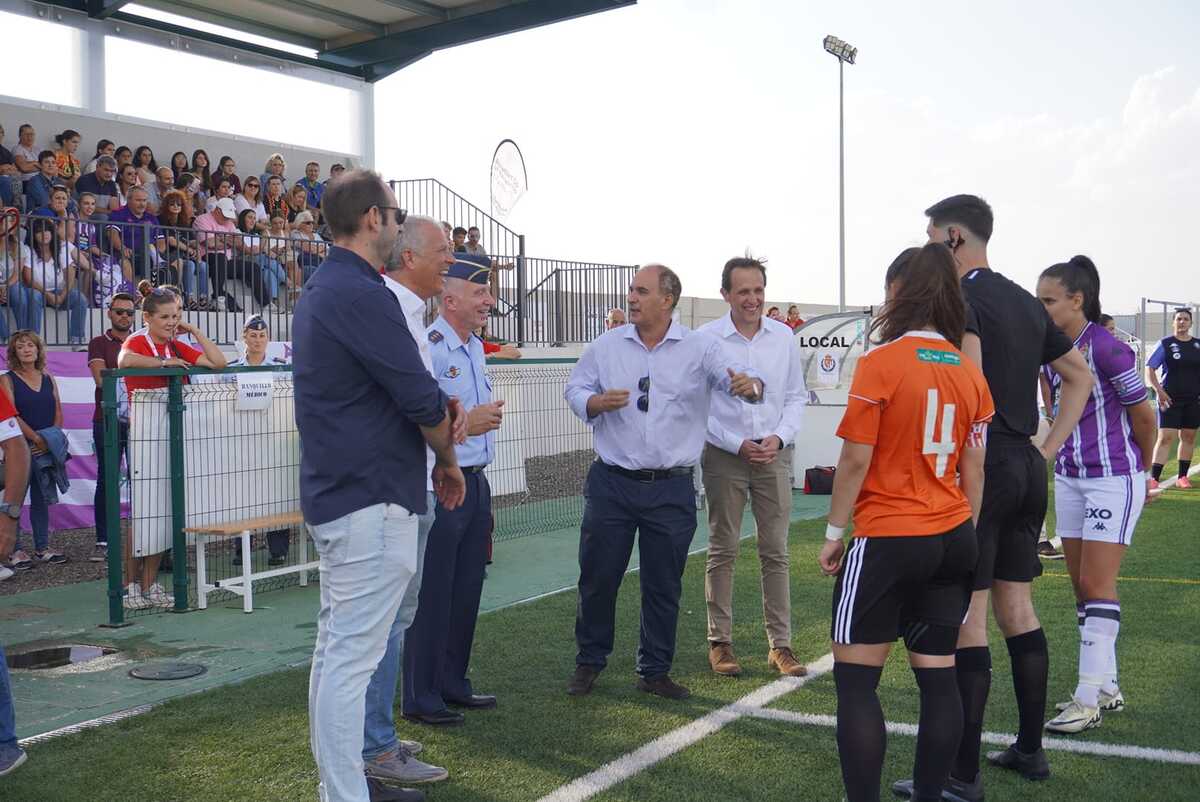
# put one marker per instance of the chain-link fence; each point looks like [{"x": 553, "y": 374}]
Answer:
[{"x": 207, "y": 455}]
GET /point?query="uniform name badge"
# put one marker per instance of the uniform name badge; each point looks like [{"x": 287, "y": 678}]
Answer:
[{"x": 254, "y": 391}]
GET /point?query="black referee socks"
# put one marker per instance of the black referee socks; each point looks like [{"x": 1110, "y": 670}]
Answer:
[
  {"x": 973, "y": 667},
  {"x": 1156, "y": 471},
  {"x": 861, "y": 736},
  {"x": 1030, "y": 667},
  {"x": 940, "y": 731},
  {"x": 1184, "y": 466}
]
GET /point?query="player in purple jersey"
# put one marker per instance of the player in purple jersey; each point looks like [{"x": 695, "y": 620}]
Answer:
[{"x": 1100, "y": 485}]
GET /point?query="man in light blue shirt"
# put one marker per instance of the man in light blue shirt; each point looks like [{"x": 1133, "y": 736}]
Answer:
[
  {"x": 437, "y": 647},
  {"x": 644, "y": 388}
]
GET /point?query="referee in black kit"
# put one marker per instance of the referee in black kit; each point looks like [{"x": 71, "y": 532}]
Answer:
[{"x": 1016, "y": 337}]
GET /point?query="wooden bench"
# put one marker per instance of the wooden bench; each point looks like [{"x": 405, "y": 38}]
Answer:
[{"x": 244, "y": 585}]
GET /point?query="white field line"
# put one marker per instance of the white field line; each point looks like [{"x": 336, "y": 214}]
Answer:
[
  {"x": 1002, "y": 739},
  {"x": 663, "y": 747}
]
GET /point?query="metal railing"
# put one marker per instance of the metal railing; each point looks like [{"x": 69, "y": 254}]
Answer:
[
  {"x": 193, "y": 458},
  {"x": 568, "y": 301}
]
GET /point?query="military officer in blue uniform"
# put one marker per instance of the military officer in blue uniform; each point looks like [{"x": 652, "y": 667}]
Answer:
[{"x": 437, "y": 647}]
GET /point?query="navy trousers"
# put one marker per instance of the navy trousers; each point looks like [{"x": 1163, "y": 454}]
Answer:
[
  {"x": 437, "y": 646},
  {"x": 663, "y": 515},
  {"x": 98, "y": 501}
]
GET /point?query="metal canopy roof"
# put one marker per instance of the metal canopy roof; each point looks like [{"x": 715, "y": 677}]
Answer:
[{"x": 369, "y": 39}]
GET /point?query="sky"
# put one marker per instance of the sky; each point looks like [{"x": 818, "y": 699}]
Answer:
[{"x": 688, "y": 131}]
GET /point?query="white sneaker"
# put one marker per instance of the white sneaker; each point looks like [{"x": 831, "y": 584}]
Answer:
[
  {"x": 1109, "y": 702},
  {"x": 1075, "y": 718},
  {"x": 133, "y": 597},
  {"x": 5, "y": 572},
  {"x": 157, "y": 596}
]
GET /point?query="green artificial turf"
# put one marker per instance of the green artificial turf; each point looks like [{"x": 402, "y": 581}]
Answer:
[{"x": 249, "y": 742}]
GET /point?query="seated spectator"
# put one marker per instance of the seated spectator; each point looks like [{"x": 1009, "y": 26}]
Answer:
[
  {"x": 222, "y": 188},
  {"x": 102, "y": 271},
  {"x": 257, "y": 263},
  {"x": 147, "y": 167},
  {"x": 215, "y": 235},
  {"x": 178, "y": 250},
  {"x": 124, "y": 156},
  {"x": 773, "y": 313},
  {"x": 794, "y": 321},
  {"x": 49, "y": 268},
  {"x": 614, "y": 318},
  {"x": 33, "y": 392},
  {"x": 200, "y": 169},
  {"x": 105, "y": 147},
  {"x": 251, "y": 198},
  {"x": 129, "y": 231},
  {"x": 448, "y": 230},
  {"x": 13, "y": 292},
  {"x": 156, "y": 190},
  {"x": 25, "y": 153},
  {"x": 499, "y": 350},
  {"x": 313, "y": 188},
  {"x": 189, "y": 185},
  {"x": 10, "y": 176},
  {"x": 279, "y": 248},
  {"x": 69, "y": 169},
  {"x": 179, "y": 163},
  {"x": 127, "y": 181},
  {"x": 275, "y": 166},
  {"x": 274, "y": 202},
  {"x": 335, "y": 169},
  {"x": 310, "y": 248},
  {"x": 63, "y": 209},
  {"x": 227, "y": 168},
  {"x": 458, "y": 240},
  {"x": 101, "y": 184},
  {"x": 37, "y": 189},
  {"x": 296, "y": 202}
]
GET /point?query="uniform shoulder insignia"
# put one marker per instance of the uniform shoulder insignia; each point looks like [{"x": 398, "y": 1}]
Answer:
[{"x": 435, "y": 336}]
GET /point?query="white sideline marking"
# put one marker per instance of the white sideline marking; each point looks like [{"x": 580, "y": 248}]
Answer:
[
  {"x": 1002, "y": 739},
  {"x": 664, "y": 746}
]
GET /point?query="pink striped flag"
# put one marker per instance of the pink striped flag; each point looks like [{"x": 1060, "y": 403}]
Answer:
[{"x": 77, "y": 392}]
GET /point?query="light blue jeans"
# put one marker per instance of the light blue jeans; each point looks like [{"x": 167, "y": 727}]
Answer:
[
  {"x": 379, "y": 735},
  {"x": 195, "y": 278},
  {"x": 273, "y": 275},
  {"x": 26, "y": 304},
  {"x": 367, "y": 560},
  {"x": 76, "y": 315},
  {"x": 8, "y": 724}
]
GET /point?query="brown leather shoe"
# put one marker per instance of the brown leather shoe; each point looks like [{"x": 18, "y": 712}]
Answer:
[
  {"x": 785, "y": 662},
  {"x": 662, "y": 685},
  {"x": 720, "y": 657},
  {"x": 582, "y": 680}
]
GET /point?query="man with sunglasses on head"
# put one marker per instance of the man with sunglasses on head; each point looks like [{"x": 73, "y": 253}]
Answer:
[
  {"x": 365, "y": 408},
  {"x": 644, "y": 389},
  {"x": 103, "y": 351}
]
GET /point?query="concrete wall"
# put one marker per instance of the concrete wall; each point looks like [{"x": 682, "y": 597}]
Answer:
[{"x": 250, "y": 154}]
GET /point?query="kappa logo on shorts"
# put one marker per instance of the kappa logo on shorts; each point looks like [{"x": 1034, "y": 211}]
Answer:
[{"x": 1099, "y": 527}]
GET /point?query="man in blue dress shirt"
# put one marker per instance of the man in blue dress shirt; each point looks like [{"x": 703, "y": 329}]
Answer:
[
  {"x": 644, "y": 388},
  {"x": 365, "y": 408},
  {"x": 437, "y": 648}
]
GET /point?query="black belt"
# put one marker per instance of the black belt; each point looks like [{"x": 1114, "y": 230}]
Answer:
[
  {"x": 648, "y": 474},
  {"x": 472, "y": 468}
]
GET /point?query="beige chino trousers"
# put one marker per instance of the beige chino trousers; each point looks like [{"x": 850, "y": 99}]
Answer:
[{"x": 728, "y": 481}]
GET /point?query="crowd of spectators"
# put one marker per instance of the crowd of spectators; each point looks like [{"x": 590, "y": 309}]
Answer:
[{"x": 73, "y": 234}]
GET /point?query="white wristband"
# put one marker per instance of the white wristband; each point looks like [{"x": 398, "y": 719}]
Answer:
[{"x": 834, "y": 532}]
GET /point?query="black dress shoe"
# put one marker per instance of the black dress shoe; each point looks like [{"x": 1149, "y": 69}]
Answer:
[
  {"x": 582, "y": 680},
  {"x": 386, "y": 793},
  {"x": 476, "y": 701},
  {"x": 442, "y": 718},
  {"x": 1033, "y": 766},
  {"x": 662, "y": 685}
]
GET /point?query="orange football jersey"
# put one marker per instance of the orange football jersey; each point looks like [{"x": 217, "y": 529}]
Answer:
[{"x": 917, "y": 400}]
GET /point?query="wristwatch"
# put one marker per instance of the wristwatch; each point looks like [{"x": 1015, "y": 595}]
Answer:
[{"x": 11, "y": 510}]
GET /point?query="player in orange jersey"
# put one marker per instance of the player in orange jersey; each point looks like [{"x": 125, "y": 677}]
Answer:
[{"x": 911, "y": 469}]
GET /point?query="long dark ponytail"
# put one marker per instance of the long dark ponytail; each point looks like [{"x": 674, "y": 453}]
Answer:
[
  {"x": 925, "y": 292},
  {"x": 1079, "y": 276}
]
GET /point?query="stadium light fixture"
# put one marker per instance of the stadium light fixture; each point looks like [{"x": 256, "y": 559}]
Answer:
[{"x": 845, "y": 54}]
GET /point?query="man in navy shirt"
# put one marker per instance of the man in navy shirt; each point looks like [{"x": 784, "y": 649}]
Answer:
[{"x": 365, "y": 408}]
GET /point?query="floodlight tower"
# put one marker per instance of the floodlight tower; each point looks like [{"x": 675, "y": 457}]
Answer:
[{"x": 845, "y": 54}]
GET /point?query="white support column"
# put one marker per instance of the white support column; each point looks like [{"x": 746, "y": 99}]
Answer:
[
  {"x": 95, "y": 73},
  {"x": 366, "y": 123}
]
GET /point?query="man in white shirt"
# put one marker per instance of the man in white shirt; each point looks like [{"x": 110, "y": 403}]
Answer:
[
  {"x": 414, "y": 274},
  {"x": 749, "y": 453},
  {"x": 645, "y": 390}
]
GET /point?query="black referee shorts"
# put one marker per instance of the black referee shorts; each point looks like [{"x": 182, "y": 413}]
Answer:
[
  {"x": 917, "y": 587},
  {"x": 1180, "y": 415},
  {"x": 1010, "y": 520}
]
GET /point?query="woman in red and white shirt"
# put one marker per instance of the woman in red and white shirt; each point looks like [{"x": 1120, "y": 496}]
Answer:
[{"x": 156, "y": 346}]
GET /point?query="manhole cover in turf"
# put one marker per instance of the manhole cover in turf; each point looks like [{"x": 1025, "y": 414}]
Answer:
[
  {"x": 166, "y": 671},
  {"x": 57, "y": 656}
]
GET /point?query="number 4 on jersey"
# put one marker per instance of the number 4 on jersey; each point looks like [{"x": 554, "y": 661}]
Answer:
[{"x": 942, "y": 448}]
